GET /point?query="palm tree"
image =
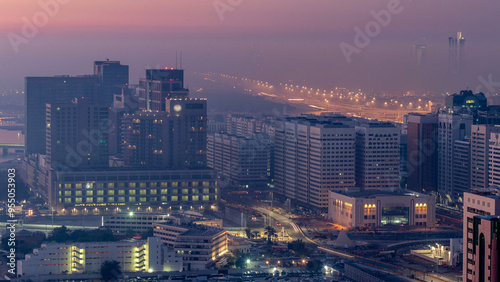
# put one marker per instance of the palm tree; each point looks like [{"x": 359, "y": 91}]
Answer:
[
  {"x": 255, "y": 234},
  {"x": 248, "y": 232},
  {"x": 270, "y": 232}
]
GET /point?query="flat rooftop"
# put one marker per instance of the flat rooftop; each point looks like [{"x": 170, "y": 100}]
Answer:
[
  {"x": 195, "y": 229},
  {"x": 378, "y": 193}
]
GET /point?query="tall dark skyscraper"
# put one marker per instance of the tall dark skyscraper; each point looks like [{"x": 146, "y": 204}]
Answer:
[
  {"x": 159, "y": 85},
  {"x": 48, "y": 90},
  {"x": 77, "y": 135},
  {"x": 175, "y": 138},
  {"x": 109, "y": 78},
  {"x": 456, "y": 46},
  {"x": 113, "y": 76},
  {"x": 422, "y": 152}
]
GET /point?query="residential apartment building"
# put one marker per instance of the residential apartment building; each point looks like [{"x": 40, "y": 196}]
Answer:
[
  {"x": 240, "y": 161},
  {"x": 199, "y": 245},
  {"x": 377, "y": 156},
  {"x": 453, "y": 124},
  {"x": 478, "y": 202},
  {"x": 71, "y": 258},
  {"x": 313, "y": 155}
]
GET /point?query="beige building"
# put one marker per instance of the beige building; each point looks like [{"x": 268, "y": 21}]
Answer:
[
  {"x": 68, "y": 258},
  {"x": 379, "y": 208},
  {"x": 480, "y": 202},
  {"x": 199, "y": 245}
]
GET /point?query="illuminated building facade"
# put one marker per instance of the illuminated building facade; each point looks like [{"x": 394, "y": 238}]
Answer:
[
  {"x": 199, "y": 245},
  {"x": 378, "y": 208},
  {"x": 313, "y": 155},
  {"x": 173, "y": 138},
  {"x": 117, "y": 190},
  {"x": 377, "y": 155},
  {"x": 71, "y": 258}
]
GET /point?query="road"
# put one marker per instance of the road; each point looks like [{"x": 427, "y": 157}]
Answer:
[{"x": 296, "y": 233}]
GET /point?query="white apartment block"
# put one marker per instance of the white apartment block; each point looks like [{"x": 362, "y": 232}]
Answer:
[
  {"x": 241, "y": 161},
  {"x": 479, "y": 202},
  {"x": 142, "y": 222},
  {"x": 481, "y": 135},
  {"x": 453, "y": 124},
  {"x": 313, "y": 155},
  {"x": 199, "y": 245},
  {"x": 494, "y": 159},
  {"x": 69, "y": 258},
  {"x": 377, "y": 156}
]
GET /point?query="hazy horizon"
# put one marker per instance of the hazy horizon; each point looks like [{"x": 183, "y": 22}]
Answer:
[{"x": 268, "y": 40}]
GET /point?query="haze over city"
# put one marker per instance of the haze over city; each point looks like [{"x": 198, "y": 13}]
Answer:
[{"x": 294, "y": 39}]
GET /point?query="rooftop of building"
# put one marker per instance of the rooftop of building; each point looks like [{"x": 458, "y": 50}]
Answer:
[
  {"x": 194, "y": 229},
  {"x": 379, "y": 193},
  {"x": 492, "y": 192},
  {"x": 333, "y": 121},
  {"x": 378, "y": 124},
  {"x": 376, "y": 273},
  {"x": 495, "y": 218}
]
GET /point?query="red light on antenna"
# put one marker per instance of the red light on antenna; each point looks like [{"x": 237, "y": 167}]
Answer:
[{"x": 166, "y": 68}]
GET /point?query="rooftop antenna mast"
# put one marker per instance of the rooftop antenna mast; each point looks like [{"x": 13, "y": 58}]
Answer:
[
  {"x": 176, "y": 59},
  {"x": 181, "y": 59}
]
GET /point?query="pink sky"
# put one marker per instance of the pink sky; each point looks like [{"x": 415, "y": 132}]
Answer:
[{"x": 289, "y": 33}]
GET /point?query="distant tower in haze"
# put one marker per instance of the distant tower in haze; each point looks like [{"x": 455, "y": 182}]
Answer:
[
  {"x": 456, "y": 47},
  {"x": 419, "y": 54}
]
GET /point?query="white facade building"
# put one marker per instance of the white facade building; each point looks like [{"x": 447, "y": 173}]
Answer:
[
  {"x": 453, "y": 124},
  {"x": 313, "y": 155},
  {"x": 372, "y": 208},
  {"x": 241, "y": 161},
  {"x": 199, "y": 245},
  {"x": 68, "y": 258},
  {"x": 494, "y": 159},
  {"x": 377, "y": 156}
]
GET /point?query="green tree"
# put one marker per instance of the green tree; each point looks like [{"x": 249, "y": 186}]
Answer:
[
  {"x": 270, "y": 233},
  {"x": 299, "y": 247},
  {"x": 314, "y": 265},
  {"x": 241, "y": 262},
  {"x": 148, "y": 233},
  {"x": 59, "y": 234},
  {"x": 110, "y": 270},
  {"x": 129, "y": 233}
]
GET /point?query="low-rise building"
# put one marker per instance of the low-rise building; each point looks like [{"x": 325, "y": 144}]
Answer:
[
  {"x": 123, "y": 189},
  {"x": 378, "y": 208},
  {"x": 68, "y": 258},
  {"x": 199, "y": 245},
  {"x": 140, "y": 222}
]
